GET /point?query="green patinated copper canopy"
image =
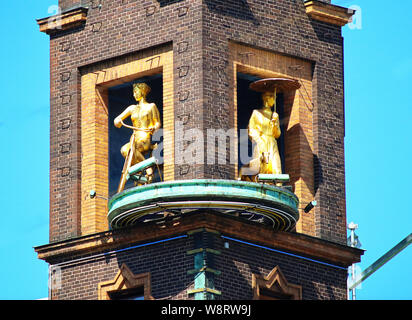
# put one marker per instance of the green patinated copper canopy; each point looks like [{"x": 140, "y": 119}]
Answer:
[{"x": 256, "y": 202}]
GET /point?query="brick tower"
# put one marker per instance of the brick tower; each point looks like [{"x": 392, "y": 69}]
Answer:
[{"x": 196, "y": 231}]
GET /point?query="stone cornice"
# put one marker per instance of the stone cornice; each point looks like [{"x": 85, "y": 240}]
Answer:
[
  {"x": 64, "y": 21},
  {"x": 328, "y": 13},
  {"x": 295, "y": 243}
]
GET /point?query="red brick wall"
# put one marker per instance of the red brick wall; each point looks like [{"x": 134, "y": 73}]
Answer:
[
  {"x": 116, "y": 29},
  {"x": 200, "y": 31},
  {"x": 240, "y": 261},
  {"x": 284, "y": 27},
  {"x": 67, "y": 4},
  {"x": 169, "y": 264}
]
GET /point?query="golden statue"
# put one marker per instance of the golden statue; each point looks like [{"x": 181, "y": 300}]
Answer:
[
  {"x": 146, "y": 120},
  {"x": 264, "y": 129}
]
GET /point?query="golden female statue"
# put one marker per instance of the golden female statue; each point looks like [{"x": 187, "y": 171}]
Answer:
[
  {"x": 146, "y": 120},
  {"x": 264, "y": 128}
]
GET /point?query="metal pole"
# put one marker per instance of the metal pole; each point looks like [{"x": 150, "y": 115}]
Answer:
[
  {"x": 50, "y": 282},
  {"x": 383, "y": 260},
  {"x": 352, "y": 227},
  {"x": 353, "y": 279},
  {"x": 352, "y": 236}
]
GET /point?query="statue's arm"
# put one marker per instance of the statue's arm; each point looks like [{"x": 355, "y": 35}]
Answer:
[
  {"x": 118, "y": 120},
  {"x": 276, "y": 125},
  {"x": 254, "y": 128},
  {"x": 156, "y": 118}
]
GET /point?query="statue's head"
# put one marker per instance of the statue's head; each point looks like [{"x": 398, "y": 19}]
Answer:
[
  {"x": 268, "y": 98},
  {"x": 140, "y": 90}
]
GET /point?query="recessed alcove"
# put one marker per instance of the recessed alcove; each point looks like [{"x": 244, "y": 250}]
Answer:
[
  {"x": 295, "y": 109},
  {"x": 106, "y": 91},
  {"x": 247, "y": 101},
  {"x": 119, "y": 98}
]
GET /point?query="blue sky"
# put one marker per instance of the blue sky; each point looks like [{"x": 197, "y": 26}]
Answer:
[{"x": 378, "y": 65}]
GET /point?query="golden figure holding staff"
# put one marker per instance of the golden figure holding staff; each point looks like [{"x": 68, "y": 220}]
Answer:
[
  {"x": 146, "y": 120},
  {"x": 264, "y": 128}
]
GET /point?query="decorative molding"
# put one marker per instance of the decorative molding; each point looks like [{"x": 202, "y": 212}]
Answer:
[
  {"x": 328, "y": 13},
  {"x": 292, "y": 242},
  {"x": 125, "y": 279},
  {"x": 63, "y": 21},
  {"x": 276, "y": 283}
]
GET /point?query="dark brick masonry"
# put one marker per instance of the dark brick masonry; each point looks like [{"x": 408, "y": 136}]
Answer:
[
  {"x": 237, "y": 263},
  {"x": 205, "y": 28},
  {"x": 115, "y": 29},
  {"x": 170, "y": 262},
  {"x": 123, "y": 27},
  {"x": 284, "y": 27},
  {"x": 167, "y": 263}
]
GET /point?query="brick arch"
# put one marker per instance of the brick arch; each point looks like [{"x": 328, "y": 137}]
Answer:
[
  {"x": 125, "y": 279},
  {"x": 276, "y": 285}
]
